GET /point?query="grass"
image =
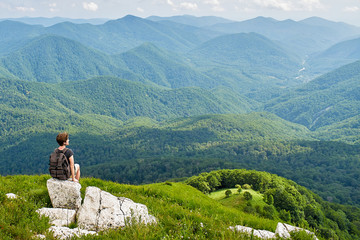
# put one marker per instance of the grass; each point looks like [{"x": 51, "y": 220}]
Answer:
[
  {"x": 236, "y": 199},
  {"x": 182, "y": 211}
]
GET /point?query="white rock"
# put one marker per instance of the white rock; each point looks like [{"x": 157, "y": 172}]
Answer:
[
  {"x": 39, "y": 236},
  {"x": 284, "y": 230},
  {"x": 264, "y": 234},
  {"x": 67, "y": 233},
  {"x": 64, "y": 194},
  {"x": 88, "y": 213},
  {"x": 58, "y": 216},
  {"x": 11, "y": 195},
  {"x": 101, "y": 211},
  {"x": 243, "y": 229},
  {"x": 258, "y": 233}
]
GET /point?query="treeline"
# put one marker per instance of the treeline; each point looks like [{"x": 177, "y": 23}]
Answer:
[{"x": 293, "y": 202}]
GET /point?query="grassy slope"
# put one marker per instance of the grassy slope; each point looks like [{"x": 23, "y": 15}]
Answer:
[{"x": 179, "y": 208}]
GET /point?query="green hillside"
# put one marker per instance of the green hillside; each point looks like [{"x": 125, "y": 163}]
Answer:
[
  {"x": 164, "y": 68},
  {"x": 336, "y": 56},
  {"x": 56, "y": 59},
  {"x": 246, "y": 62},
  {"x": 14, "y": 35},
  {"x": 327, "y": 100},
  {"x": 181, "y": 210},
  {"x": 346, "y": 131}
]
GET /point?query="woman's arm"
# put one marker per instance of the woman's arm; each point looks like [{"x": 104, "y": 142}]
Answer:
[{"x": 71, "y": 160}]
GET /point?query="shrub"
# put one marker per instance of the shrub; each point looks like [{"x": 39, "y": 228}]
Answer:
[
  {"x": 285, "y": 215},
  {"x": 246, "y": 186},
  {"x": 228, "y": 193},
  {"x": 247, "y": 196}
]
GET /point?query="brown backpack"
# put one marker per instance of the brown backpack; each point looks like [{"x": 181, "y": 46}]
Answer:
[{"x": 59, "y": 165}]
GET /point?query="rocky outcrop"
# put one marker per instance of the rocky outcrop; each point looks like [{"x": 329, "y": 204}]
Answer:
[
  {"x": 58, "y": 216},
  {"x": 284, "y": 230},
  {"x": 258, "y": 233},
  {"x": 64, "y": 194},
  {"x": 264, "y": 234},
  {"x": 101, "y": 211}
]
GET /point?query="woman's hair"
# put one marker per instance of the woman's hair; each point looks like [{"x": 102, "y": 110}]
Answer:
[{"x": 62, "y": 137}]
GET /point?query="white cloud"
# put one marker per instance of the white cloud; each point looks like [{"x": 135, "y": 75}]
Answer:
[
  {"x": 182, "y": 5},
  {"x": 25, "y": 9},
  {"x": 90, "y": 6},
  {"x": 52, "y": 5},
  {"x": 212, "y": 2},
  {"x": 170, "y": 3},
  {"x": 188, "y": 5},
  {"x": 140, "y": 10},
  {"x": 284, "y": 5},
  {"x": 351, "y": 9}
]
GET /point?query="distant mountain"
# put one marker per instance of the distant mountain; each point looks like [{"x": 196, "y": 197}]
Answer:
[
  {"x": 340, "y": 27},
  {"x": 192, "y": 20},
  {"x": 123, "y": 34},
  {"x": 46, "y": 22},
  {"x": 164, "y": 68},
  {"x": 331, "y": 98},
  {"x": 114, "y": 36},
  {"x": 14, "y": 35},
  {"x": 303, "y": 37},
  {"x": 334, "y": 57},
  {"x": 242, "y": 62},
  {"x": 55, "y": 59},
  {"x": 255, "y": 60}
]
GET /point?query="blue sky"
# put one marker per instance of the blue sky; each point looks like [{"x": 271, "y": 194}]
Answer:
[{"x": 336, "y": 10}]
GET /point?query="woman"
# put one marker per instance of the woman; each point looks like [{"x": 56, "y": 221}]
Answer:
[{"x": 63, "y": 141}]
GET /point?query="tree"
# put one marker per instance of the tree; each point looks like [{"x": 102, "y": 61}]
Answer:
[
  {"x": 228, "y": 193},
  {"x": 285, "y": 215},
  {"x": 247, "y": 196}
]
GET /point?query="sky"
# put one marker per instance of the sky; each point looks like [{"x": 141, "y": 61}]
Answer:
[{"x": 336, "y": 10}]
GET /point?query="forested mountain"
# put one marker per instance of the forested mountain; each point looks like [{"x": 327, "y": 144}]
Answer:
[
  {"x": 329, "y": 99},
  {"x": 192, "y": 20},
  {"x": 14, "y": 35},
  {"x": 114, "y": 36},
  {"x": 255, "y": 60},
  {"x": 303, "y": 37},
  {"x": 55, "y": 59},
  {"x": 123, "y": 34},
  {"x": 164, "y": 68},
  {"x": 336, "y": 56},
  {"x": 243, "y": 62}
]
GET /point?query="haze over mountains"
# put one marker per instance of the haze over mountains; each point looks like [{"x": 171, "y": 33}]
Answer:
[{"x": 183, "y": 89}]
